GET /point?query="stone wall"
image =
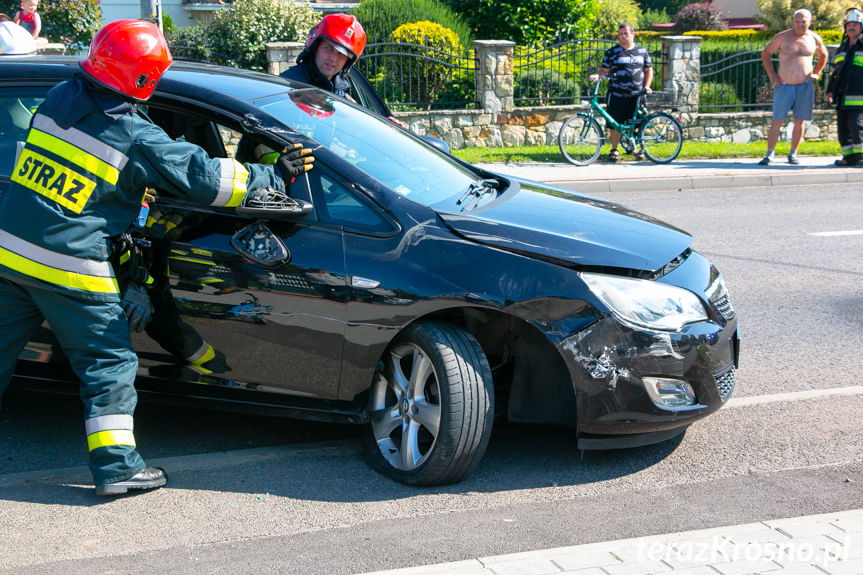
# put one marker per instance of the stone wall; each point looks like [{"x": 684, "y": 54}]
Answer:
[
  {"x": 497, "y": 123},
  {"x": 540, "y": 125}
]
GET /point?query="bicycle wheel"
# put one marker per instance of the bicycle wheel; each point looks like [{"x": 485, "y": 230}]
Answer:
[
  {"x": 661, "y": 137},
  {"x": 580, "y": 140}
]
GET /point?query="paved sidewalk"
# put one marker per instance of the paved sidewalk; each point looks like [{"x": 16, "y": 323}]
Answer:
[
  {"x": 629, "y": 175},
  {"x": 828, "y": 544}
]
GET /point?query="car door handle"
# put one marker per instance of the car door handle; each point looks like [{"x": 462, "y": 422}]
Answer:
[{"x": 364, "y": 283}]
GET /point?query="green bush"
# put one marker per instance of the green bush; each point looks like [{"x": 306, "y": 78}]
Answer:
[
  {"x": 544, "y": 87},
  {"x": 826, "y": 14},
  {"x": 699, "y": 16},
  {"x": 667, "y": 6},
  {"x": 381, "y": 17},
  {"x": 712, "y": 95},
  {"x": 613, "y": 13},
  {"x": 66, "y": 21},
  {"x": 237, "y": 34},
  {"x": 191, "y": 43},
  {"x": 651, "y": 17},
  {"x": 526, "y": 22},
  {"x": 427, "y": 77}
]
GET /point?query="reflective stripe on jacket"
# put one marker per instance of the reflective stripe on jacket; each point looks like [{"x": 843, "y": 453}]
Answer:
[
  {"x": 846, "y": 81},
  {"x": 76, "y": 186}
]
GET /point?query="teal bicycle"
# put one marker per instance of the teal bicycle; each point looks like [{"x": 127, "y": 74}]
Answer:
[{"x": 658, "y": 134}]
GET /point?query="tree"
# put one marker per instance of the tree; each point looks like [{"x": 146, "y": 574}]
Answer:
[
  {"x": 66, "y": 21},
  {"x": 826, "y": 14},
  {"x": 237, "y": 35},
  {"x": 529, "y": 22},
  {"x": 613, "y": 13}
]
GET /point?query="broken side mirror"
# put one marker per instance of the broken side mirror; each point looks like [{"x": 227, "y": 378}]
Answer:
[{"x": 258, "y": 243}]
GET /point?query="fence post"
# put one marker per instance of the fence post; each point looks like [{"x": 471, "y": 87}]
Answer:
[
  {"x": 282, "y": 55},
  {"x": 494, "y": 79},
  {"x": 681, "y": 73}
]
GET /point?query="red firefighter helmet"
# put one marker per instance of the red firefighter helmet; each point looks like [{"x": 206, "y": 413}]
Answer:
[
  {"x": 129, "y": 57},
  {"x": 343, "y": 29}
]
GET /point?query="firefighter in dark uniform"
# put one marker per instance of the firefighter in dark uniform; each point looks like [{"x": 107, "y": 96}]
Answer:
[
  {"x": 332, "y": 47},
  {"x": 77, "y": 185},
  {"x": 845, "y": 90}
]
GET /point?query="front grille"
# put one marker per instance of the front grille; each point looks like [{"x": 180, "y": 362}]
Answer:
[
  {"x": 725, "y": 383},
  {"x": 723, "y": 305}
]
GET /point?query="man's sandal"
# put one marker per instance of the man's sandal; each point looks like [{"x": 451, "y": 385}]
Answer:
[{"x": 613, "y": 156}]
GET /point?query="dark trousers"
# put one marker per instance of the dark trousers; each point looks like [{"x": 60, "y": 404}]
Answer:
[
  {"x": 850, "y": 129},
  {"x": 95, "y": 338}
]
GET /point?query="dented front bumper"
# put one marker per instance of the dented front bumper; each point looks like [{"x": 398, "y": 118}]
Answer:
[{"x": 630, "y": 380}]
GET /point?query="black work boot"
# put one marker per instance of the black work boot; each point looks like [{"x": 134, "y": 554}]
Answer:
[{"x": 147, "y": 478}]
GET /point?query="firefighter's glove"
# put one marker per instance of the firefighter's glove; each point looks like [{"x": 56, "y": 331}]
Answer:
[
  {"x": 294, "y": 161},
  {"x": 138, "y": 307}
]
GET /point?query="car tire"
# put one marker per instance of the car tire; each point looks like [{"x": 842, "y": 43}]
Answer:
[{"x": 431, "y": 406}]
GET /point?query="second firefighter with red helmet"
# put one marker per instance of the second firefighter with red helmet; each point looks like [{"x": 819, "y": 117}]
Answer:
[{"x": 332, "y": 47}]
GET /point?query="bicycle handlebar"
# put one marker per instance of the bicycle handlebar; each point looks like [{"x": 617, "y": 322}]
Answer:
[{"x": 640, "y": 93}]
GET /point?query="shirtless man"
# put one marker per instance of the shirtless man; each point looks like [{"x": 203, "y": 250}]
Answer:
[{"x": 794, "y": 86}]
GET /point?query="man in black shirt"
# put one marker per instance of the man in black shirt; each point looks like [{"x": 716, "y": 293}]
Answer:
[{"x": 630, "y": 70}]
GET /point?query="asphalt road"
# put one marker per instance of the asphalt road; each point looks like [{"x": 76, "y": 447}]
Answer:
[{"x": 270, "y": 496}]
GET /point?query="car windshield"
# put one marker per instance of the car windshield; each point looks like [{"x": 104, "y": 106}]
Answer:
[{"x": 373, "y": 144}]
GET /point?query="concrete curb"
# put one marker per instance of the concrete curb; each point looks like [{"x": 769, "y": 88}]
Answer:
[
  {"x": 707, "y": 182},
  {"x": 602, "y": 177}
]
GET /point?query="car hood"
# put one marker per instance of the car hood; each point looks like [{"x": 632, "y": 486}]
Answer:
[{"x": 554, "y": 223}]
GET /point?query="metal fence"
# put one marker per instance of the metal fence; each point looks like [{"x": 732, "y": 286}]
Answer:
[
  {"x": 411, "y": 76},
  {"x": 733, "y": 79},
  {"x": 558, "y": 74},
  {"x": 414, "y": 76}
]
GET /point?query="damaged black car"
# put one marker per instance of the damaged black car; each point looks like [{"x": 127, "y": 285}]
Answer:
[{"x": 418, "y": 296}]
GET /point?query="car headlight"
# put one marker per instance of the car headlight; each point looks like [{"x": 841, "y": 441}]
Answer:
[{"x": 646, "y": 303}]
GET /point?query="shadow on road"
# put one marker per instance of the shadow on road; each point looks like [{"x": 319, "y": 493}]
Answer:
[{"x": 269, "y": 456}]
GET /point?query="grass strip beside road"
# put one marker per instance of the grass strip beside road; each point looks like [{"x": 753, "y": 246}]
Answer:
[{"x": 690, "y": 151}]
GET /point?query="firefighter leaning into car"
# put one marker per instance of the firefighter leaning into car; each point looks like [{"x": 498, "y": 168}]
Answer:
[
  {"x": 77, "y": 185},
  {"x": 332, "y": 47},
  {"x": 845, "y": 90}
]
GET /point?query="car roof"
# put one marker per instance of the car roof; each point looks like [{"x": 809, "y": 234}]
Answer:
[{"x": 183, "y": 78}]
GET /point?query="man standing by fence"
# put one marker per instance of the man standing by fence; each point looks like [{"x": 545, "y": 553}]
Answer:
[{"x": 794, "y": 85}]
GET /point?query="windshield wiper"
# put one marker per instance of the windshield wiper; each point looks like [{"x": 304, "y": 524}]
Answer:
[{"x": 477, "y": 190}]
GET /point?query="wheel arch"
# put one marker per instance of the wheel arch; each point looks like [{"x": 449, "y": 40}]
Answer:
[{"x": 531, "y": 381}]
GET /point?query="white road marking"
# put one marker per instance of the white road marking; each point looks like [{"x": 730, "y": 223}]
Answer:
[
  {"x": 793, "y": 396},
  {"x": 832, "y": 234}
]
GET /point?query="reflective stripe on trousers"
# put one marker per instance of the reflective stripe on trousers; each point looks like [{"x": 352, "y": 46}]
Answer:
[
  {"x": 55, "y": 268},
  {"x": 95, "y": 338}
]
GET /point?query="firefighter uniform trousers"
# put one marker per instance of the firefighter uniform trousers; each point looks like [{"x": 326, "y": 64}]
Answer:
[
  {"x": 95, "y": 338},
  {"x": 846, "y": 85},
  {"x": 849, "y": 130}
]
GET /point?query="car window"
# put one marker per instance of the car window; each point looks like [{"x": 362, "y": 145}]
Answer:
[
  {"x": 372, "y": 144},
  {"x": 218, "y": 140},
  {"x": 335, "y": 204},
  {"x": 364, "y": 94},
  {"x": 16, "y": 110}
]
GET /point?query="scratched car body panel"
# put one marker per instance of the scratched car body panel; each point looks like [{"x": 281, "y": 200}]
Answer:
[{"x": 560, "y": 308}]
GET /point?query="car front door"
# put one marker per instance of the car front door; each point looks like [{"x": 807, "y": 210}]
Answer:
[{"x": 232, "y": 317}]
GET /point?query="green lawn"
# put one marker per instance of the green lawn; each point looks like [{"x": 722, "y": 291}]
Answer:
[{"x": 691, "y": 150}]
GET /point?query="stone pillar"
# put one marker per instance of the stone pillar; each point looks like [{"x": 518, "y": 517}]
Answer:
[
  {"x": 282, "y": 55},
  {"x": 681, "y": 71},
  {"x": 494, "y": 79}
]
